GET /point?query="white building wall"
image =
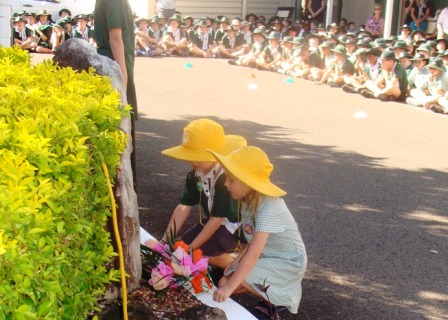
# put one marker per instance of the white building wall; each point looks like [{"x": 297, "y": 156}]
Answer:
[
  {"x": 214, "y": 8},
  {"x": 357, "y": 10},
  {"x": 198, "y": 9}
]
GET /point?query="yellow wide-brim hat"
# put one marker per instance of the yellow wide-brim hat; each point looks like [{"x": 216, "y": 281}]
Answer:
[
  {"x": 201, "y": 135},
  {"x": 251, "y": 166}
]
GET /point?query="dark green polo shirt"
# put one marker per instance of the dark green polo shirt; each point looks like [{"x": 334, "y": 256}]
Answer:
[
  {"x": 224, "y": 206},
  {"x": 112, "y": 14}
]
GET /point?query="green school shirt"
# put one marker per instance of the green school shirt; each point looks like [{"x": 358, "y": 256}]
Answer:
[
  {"x": 111, "y": 14},
  {"x": 223, "y": 205}
]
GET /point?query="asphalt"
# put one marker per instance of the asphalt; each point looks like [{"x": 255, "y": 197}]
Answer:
[{"x": 367, "y": 180}]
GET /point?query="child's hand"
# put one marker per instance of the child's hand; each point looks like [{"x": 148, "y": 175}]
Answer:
[{"x": 221, "y": 294}]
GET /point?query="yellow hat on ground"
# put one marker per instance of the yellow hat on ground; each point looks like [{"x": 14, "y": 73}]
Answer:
[
  {"x": 200, "y": 135},
  {"x": 251, "y": 166}
]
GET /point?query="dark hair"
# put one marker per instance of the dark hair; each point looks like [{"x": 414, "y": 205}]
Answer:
[
  {"x": 350, "y": 23},
  {"x": 343, "y": 19}
]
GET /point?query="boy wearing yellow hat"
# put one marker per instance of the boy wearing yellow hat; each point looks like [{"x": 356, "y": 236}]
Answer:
[
  {"x": 273, "y": 263},
  {"x": 216, "y": 232}
]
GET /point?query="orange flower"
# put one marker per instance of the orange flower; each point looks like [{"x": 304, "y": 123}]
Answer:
[
  {"x": 196, "y": 283},
  {"x": 181, "y": 244},
  {"x": 207, "y": 280},
  {"x": 197, "y": 254}
]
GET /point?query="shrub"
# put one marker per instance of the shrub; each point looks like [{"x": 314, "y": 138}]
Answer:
[{"x": 57, "y": 126}]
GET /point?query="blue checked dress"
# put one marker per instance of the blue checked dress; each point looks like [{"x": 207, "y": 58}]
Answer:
[{"x": 283, "y": 261}]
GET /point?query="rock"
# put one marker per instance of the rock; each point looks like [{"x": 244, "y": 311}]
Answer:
[
  {"x": 80, "y": 55},
  {"x": 203, "y": 313}
]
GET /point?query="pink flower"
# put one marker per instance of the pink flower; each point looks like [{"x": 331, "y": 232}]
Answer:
[
  {"x": 158, "y": 247},
  {"x": 161, "y": 276},
  {"x": 201, "y": 265},
  {"x": 182, "y": 263}
]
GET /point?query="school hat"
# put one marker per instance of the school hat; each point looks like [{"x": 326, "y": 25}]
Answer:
[
  {"x": 224, "y": 20},
  {"x": 175, "y": 17},
  {"x": 229, "y": 28},
  {"x": 298, "y": 40},
  {"x": 379, "y": 43},
  {"x": 363, "y": 43},
  {"x": 327, "y": 44},
  {"x": 302, "y": 48},
  {"x": 405, "y": 26},
  {"x": 252, "y": 167},
  {"x": 388, "y": 55},
  {"x": 443, "y": 53},
  {"x": 288, "y": 39},
  {"x": 200, "y": 135},
  {"x": 19, "y": 19},
  {"x": 137, "y": 22},
  {"x": 419, "y": 56},
  {"x": 312, "y": 35},
  {"x": 431, "y": 43},
  {"x": 373, "y": 51},
  {"x": 274, "y": 35},
  {"x": 340, "y": 49},
  {"x": 245, "y": 23},
  {"x": 363, "y": 34},
  {"x": 436, "y": 63},
  {"x": 259, "y": 31},
  {"x": 400, "y": 44},
  {"x": 405, "y": 55},
  {"x": 424, "y": 47},
  {"x": 84, "y": 17},
  {"x": 201, "y": 23},
  {"x": 43, "y": 13},
  {"x": 333, "y": 25},
  {"x": 61, "y": 23}
]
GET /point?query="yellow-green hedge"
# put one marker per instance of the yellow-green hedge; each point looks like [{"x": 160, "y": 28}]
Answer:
[{"x": 56, "y": 128}]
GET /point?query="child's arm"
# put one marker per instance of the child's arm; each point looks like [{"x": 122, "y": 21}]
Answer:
[
  {"x": 180, "y": 215},
  {"x": 209, "y": 229},
  {"x": 245, "y": 266}
]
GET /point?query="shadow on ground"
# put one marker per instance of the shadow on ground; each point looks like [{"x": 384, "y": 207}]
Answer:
[{"x": 376, "y": 236}]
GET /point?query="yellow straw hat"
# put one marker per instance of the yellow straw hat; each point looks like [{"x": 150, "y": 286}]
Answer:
[
  {"x": 200, "y": 135},
  {"x": 251, "y": 166}
]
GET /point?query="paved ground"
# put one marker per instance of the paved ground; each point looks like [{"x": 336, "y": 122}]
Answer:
[{"x": 367, "y": 181}]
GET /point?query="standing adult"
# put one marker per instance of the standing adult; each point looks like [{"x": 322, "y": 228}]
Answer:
[
  {"x": 316, "y": 9},
  {"x": 420, "y": 12},
  {"x": 407, "y": 10},
  {"x": 166, "y": 8},
  {"x": 442, "y": 24},
  {"x": 375, "y": 23},
  {"x": 114, "y": 34}
]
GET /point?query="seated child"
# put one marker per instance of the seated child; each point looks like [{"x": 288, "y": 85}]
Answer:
[
  {"x": 217, "y": 229},
  {"x": 258, "y": 45},
  {"x": 272, "y": 55},
  {"x": 201, "y": 41},
  {"x": 175, "y": 40},
  {"x": 275, "y": 257}
]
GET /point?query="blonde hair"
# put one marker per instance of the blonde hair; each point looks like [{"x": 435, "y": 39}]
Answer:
[{"x": 253, "y": 199}]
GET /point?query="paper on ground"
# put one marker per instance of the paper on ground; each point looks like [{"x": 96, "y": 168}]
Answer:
[{"x": 233, "y": 310}]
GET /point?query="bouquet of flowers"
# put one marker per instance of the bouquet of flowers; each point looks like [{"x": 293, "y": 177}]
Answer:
[{"x": 174, "y": 264}]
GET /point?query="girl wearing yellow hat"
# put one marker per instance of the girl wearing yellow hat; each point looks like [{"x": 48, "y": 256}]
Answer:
[
  {"x": 216, "y": 232},
  {"x": 272, "y": 265}
]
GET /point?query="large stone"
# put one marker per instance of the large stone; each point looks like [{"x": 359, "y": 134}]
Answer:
[{"x": 80, "y": 55}]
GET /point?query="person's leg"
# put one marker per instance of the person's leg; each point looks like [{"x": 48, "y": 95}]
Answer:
[
  {"x": 132, "y": 101},
  {"x": 42, "y": 49},
  {"x": 221, "y": 261}
]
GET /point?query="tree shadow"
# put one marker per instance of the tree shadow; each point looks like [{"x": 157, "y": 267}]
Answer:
[{"x": 376, "y": 236}]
